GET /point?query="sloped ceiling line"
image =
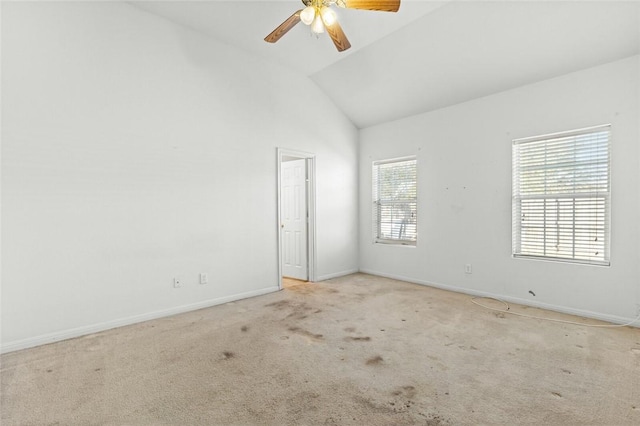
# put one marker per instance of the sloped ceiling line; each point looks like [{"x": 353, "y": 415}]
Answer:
[{"x": 430, "y": 54}]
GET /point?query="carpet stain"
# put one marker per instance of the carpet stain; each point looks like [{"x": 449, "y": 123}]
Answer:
[
  {"x": 464, "y": 348},
  {"x": 499, "y": 314},
  {"x": 564, "y": 370},
  {"x": 244, "y": 328},
  {"x": 370, "y": 405},
  {"x": 556, "y": 394},
  {"x": 280, "y": 305},
  {"x": 300, "y": 311},
  {"x": 405, "y": 391},
  {"x": 437, "y": 421},
  {"x": 350, "y": 329},
  {"x": 228, "y": 355},
  {"x": 306, "y": 333},
  {"x": 376, "y": 360},
  {"x": 357, "y": 339}
]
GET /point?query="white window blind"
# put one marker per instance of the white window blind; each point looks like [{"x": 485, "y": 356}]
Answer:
[
  {"x": 395, "y": 205},
  {"x": 561, "y": 196}
]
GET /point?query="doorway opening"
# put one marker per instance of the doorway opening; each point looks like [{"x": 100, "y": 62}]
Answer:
[{"x": 296, "y": 216}]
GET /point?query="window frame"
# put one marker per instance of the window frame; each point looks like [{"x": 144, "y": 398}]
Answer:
[
  {"x": 377, "y": 202},
  {"x": 590, "y": 199}
]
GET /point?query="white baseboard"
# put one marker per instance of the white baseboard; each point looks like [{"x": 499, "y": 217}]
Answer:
[
  {"x": 337, "y": 274},
  {"x": 615, "y": 319},
  {"x": 107, "y": 325}
]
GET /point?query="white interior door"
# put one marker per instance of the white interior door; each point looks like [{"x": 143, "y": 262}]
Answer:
[{"x": 294, "y": 219}]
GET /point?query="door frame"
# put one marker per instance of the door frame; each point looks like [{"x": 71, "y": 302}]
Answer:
[{"x": 310, "y": 167}]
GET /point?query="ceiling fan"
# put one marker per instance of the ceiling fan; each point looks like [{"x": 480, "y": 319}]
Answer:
[{"x": 319, "y": 15}]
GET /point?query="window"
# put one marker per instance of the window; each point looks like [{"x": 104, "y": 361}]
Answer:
[
  {"x": 395, "y": 201},
  {"x": 561, "y": 196}
]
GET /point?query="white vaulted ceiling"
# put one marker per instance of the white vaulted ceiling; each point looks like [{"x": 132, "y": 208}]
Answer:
[{"x": 430, "y": 54}]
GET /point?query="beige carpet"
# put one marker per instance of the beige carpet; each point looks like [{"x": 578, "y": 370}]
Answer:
[{"x": 357, "y": 350}]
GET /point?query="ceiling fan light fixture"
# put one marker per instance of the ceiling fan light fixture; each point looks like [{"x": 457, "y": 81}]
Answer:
[
  {"x": 317, "y": 27},
  {"x": 328, "y": 16},
  {"x": 307, "y": 15},
  {"x": 319, "y": 15}
]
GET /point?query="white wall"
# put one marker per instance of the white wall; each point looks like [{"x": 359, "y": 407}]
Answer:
[
  {"x": 464, "y": 189},
  {"x": 134, "y": 151}
]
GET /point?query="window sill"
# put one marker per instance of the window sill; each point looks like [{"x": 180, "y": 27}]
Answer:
[
  {"x": 560, "y": 260},
  {"x": 396, "y": 243}
]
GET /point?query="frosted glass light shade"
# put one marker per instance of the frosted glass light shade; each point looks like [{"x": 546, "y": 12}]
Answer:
[
  {"x": 328, "y": 16},
  {"x": 317, "y": 26},
  {"x": 307, "y": 15}
]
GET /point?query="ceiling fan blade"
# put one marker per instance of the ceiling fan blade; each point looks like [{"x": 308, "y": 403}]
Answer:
[
  {"x": 337, "y": 35},
  {"x": 289, "y": 23},
  {"x": 380, "y": 5}
]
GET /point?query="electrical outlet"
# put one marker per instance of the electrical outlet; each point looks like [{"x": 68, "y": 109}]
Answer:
[
  {"x": 467, "y": 268},
  {"x": 203, "y": 278},
  {"x": 177, "y": 283}
]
